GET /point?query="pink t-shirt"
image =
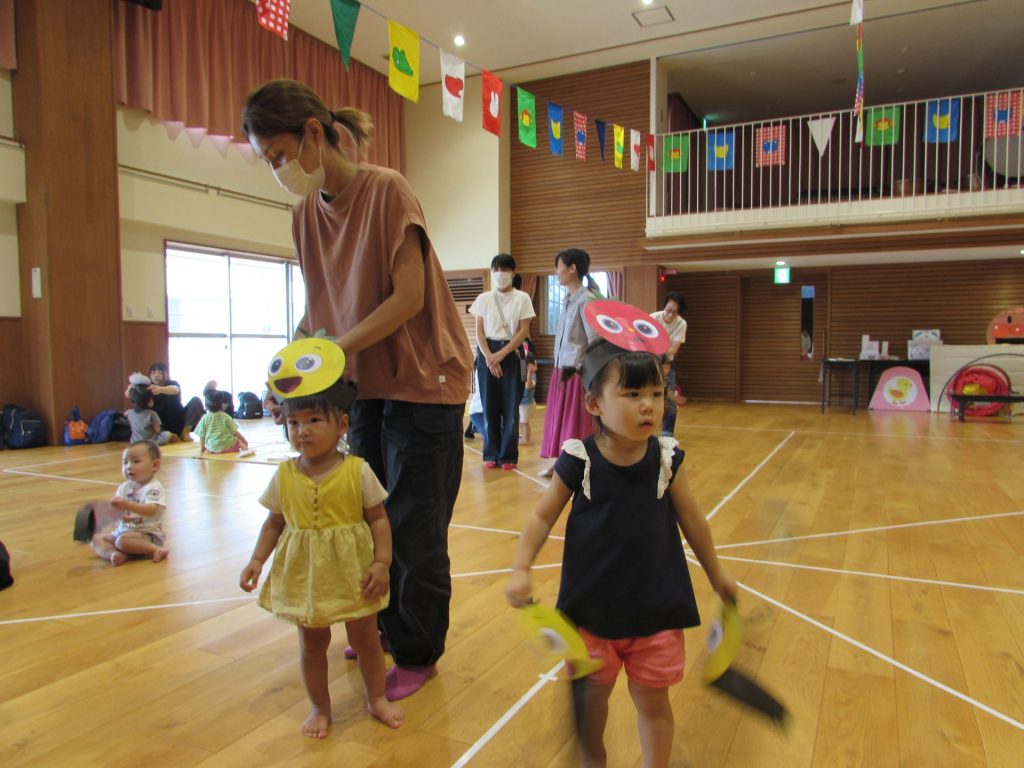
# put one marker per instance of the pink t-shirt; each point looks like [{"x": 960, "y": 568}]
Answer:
[{"x": 346, "y": 249}]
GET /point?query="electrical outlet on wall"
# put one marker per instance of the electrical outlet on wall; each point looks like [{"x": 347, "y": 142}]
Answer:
[
  {"x": 129, "y": 311},
  {"x": 149, "y": 313}
]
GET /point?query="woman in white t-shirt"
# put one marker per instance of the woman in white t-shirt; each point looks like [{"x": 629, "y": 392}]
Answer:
[{"x": 502, "y": 323}]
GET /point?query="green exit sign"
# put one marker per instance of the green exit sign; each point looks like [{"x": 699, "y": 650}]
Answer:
[{"x": 781, "y": 275}]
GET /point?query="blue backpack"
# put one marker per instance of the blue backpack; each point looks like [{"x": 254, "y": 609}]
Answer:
[
  {"x": 101, "y": 426},
  {"x": 22, "y": 427}
]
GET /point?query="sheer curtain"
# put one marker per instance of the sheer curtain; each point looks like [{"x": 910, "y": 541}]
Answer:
[{"x": 195, "y": 62}]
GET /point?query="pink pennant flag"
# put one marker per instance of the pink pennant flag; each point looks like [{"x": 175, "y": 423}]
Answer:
[
  {"x": 579, "y": 124},
  {"x": 1002, "y": 114},
  {"x": 273, "y": 15},
  {"x": 771, "y": 145},
  {"x": 650, "y": 153},
  {"x": 490, "y": 93}
]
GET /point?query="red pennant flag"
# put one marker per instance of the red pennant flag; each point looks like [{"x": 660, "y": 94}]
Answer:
[
  {"x": 491, "y": 96},
  {"x": 273, "y": 15},
  {"x": 650, "y": 152},
  {"x": 579, "y": 123},
  {"x": 1002, "y": 114}
]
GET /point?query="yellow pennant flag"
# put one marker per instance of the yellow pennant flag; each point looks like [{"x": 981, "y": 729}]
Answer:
[
  {"x": 620, "y": 144},
  {"x": 404, "y": 61}
]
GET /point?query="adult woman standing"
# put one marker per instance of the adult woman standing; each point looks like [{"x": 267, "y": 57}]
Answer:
[
  {"x": 566, "y": 415},
  {"x": 373, "y": 280}
]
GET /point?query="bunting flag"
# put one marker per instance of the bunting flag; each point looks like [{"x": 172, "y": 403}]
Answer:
[
  {"x": 579, "y": 124},
  {"x": 883, "y": 125},
  {"x": 453, "y": 85},
  {"x": 555, "y": 128},
  {"x": 858, "y": 99},
  {"x": 771, "y": 145},
  {"x": 527, "y": 106},
  {"x": 345, "y": 13},
  {"x": 675, "y": 150},
  {"x": 720, "y": 150},
  {"x": 273, "y": 15},
  {"x": 857, "y": 12},
  {"x": 404, "y": 61},
  {"x": 650, "y": 153},
  {"x": 619, "y": 139},
  {"x": 1002, "y": 114},
  {"x": 821, "y": 131},
  {"x": 491, "y": 102},
  {"x": 634, "y": 150},
  {"x": 942, "y": 121},
  {"x": 600, "y": 124}
]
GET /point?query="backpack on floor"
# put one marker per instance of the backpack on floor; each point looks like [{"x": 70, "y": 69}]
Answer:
[
  {"x": 101, "y": 425},
  {"x": 121, "y": 429},
  {"x": 75, "y": 428},
  {"x": 249, "y": 406},
  {"x": 22, "y": 427}
]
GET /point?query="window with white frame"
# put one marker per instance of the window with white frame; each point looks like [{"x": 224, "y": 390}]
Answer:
[
  {"x": 555, "y": 297},
  {"x": 227, "y": 314}
]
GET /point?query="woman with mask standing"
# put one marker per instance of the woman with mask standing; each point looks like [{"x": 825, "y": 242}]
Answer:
[
  {"x": 502, "y": 323},
  {"x": 373, "y": 280}
]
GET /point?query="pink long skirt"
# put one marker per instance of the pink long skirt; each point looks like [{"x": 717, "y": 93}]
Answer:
[{"x": 566, "y": 415}]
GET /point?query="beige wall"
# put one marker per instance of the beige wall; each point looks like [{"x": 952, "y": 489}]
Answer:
[
  {"x": 12, "y": 190},
  {"x": 454, "y": 170}
]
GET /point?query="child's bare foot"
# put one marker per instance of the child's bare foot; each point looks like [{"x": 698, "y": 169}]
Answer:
[
  {"x": 317, "y": 724},
  {"x": 118, "y": 558},
  {"x": 160, "y": 554},
  {"x": 387, "y": 712}
]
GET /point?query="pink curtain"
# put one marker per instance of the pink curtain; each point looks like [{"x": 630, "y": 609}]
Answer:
[
  {"x": 615, "y": 283},
  {"x": 195, "y": 62},
  {"x": 8, "y": 51}
]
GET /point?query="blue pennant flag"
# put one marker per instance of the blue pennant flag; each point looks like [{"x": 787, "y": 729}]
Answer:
[
  {"x": 600, "y": 136},
  {"x": 555, "y": 128},
  {"x": 720, "y": 150},
  {"x": 942, "y": 121}
]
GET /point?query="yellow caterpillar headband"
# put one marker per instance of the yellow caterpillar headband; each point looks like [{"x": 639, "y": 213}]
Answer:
[{"x": 311, "y": 366}]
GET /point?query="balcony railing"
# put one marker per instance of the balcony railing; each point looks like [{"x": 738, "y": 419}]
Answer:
[{"x": 958, "y": 155}]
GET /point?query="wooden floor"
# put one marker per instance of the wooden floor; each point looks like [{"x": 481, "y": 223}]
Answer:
[{"x": 880, "y": 557}]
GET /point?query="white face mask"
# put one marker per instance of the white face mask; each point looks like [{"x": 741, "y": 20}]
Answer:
[
  {"x": 501, "y": 280},
  {"x": 293, "y": 177}
]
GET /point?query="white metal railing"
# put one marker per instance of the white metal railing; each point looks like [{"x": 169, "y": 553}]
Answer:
[{"x": 957, "y": 153}]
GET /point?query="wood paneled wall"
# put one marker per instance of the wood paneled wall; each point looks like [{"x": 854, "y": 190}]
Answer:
[
  {"x": 14, "y": 386},
  {"x": 743, "y": 335},
  {"x": 562, "y": 202},
  {"x": 143, "y": 344}
]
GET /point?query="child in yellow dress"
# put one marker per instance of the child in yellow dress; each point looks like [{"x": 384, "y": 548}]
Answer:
[{"x": 333, "y": 552}]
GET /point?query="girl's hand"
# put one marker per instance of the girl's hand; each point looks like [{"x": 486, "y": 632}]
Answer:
[
  {"x": 250, "y": 575},
  {"x": 519, "y": 590},
  {"x": 376, "y": 581},
  {"x": 725, "y": 586}
]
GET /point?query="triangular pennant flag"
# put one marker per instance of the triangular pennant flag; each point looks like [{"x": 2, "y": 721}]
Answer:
[
  {"x": 883, "y": 126},
  {"x": 857, "y": 12},
  {"x": 650, "y": 153},
  {"x": 675, "y": 151},
  {"x": 720, "y": 150},
  {"x": 771, "y": 145},
  {"x": 821, "y": 131},
  {"x": 634, "y": 150},
  {"x": 600, "y": 125},
  {"x": 527, "y": 105},
  {"x": 1002, "y": 114},
  {"x": 273, "y": 15},
  {"x": 490, "y": 94},
  {"x": 620, "y": 143},
  {"x": 579, "y": 124},
  {"x": 345, "y": 13},
  {"x": 453, "y": 85},
  {"x": 554, "y": 128},
  {"x": 942, "y": 121},
  {"x": 404, "y": 61}
]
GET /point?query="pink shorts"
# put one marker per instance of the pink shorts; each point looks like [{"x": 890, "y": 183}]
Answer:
[{"x": 656, "y": 661}]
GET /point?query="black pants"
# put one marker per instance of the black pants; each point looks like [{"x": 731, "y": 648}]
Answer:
[
  {"x": 416, "y": 451},
  {"x": 500, "y": 398}
]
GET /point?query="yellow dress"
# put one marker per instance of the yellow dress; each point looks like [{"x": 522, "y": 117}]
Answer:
[{"x": 325, "y": 548}]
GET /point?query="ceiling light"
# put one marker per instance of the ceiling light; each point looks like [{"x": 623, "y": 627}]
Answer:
[
  {"x": 460, "y": 41},
  {"x": 780, "y": 263},
  {"x": 1022, "y": 251},
  {"x": 647, "y": 2}
]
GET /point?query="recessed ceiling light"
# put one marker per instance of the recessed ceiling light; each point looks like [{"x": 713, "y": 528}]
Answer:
[
  {"x": 1022, "y": 251},
  {"x": 647, "y": 2},
  {"x": 460, "y": 41},
  {"x": 780, "y": 263}
]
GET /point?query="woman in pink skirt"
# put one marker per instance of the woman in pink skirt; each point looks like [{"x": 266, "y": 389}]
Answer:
[{"x": 566, "y": 415}]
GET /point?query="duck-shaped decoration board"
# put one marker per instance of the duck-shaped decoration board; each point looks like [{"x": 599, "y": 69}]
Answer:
[{"x": 900, "y": 389}]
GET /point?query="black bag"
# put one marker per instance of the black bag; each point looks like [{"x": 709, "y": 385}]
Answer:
[
  {"x": 120, "y": 429},
  {"x": 249, "y": 406},
  {"x": 22, "y": 427},
  {"x": 5, "y": 567}
]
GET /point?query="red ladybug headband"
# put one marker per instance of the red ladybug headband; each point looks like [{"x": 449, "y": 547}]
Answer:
[{"x": 623, "y": 328}]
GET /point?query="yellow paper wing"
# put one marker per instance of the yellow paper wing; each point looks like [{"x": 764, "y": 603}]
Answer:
[
  {"x": 723, "y": 642},
  {"x": 556, "y": 634}
]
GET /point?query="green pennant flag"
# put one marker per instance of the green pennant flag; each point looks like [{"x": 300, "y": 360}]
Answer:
[
  {"x": 883, "y": 126},
  {"x": 527, "y": 117},
  {"x": 345, "y": 14},
  {"x": 675, "y": 154}
]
